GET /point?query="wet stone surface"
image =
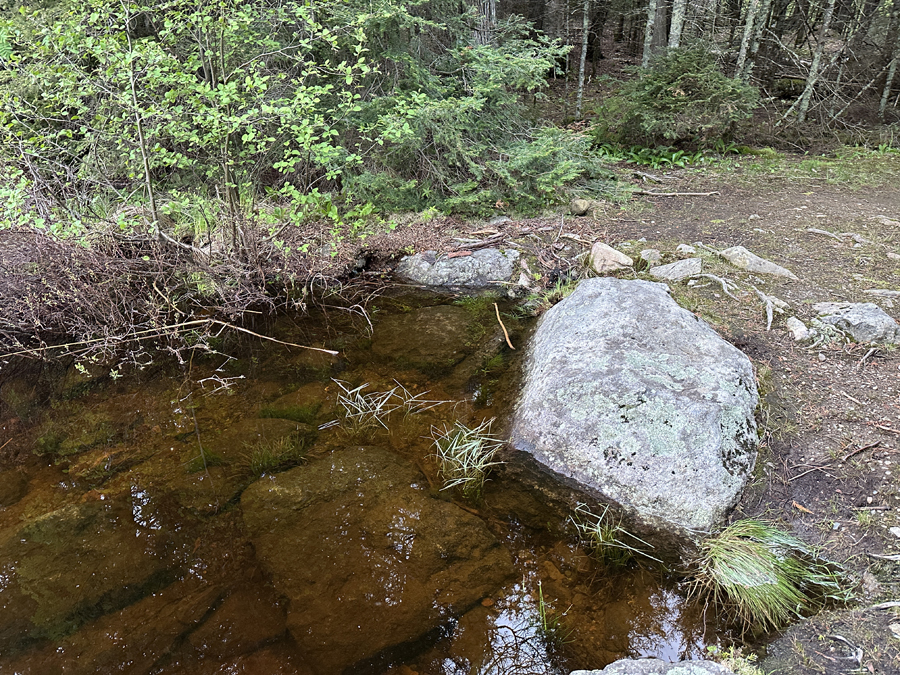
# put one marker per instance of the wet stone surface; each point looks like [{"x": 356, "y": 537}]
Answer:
[{"x": 385, "y": 572}]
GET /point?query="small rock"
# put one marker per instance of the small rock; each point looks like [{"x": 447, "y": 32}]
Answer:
[
  {"x": 797, "y": 328},
  {"x": 882, "y": 293},
  {"x": 755, "y": 216},
  {"x": 741, "y": 257},
  {"x": 863, "y": 321},
  {"x": 498, "y": 220},
  {"x": 658, "y": 667},
  {"x": 894, "y": 531},
  {"x": 651, "y": 255},
  {"x": 524, "y": 280},
  {"x": 821, "y": 356},
  {"x": 678, "y": 270},
  {"x": 893, "y": 256},
  {"x": 685, "y": 250},
  {"x": 580, "y": 207},
  {"x": 607, "y": 259}
]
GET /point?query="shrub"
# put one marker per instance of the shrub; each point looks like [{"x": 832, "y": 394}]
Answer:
[{"x": 682, "y": 96}]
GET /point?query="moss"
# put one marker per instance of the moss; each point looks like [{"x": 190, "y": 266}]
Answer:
[{"x": 305, "y": 414}]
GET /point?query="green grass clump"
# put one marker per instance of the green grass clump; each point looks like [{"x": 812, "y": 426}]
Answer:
[
  {"x": 764, "y": 577},
  {"x": 606, "y": 539},
  {"x": 271, "y": 456},
  {"x": 465, "y": 456}
]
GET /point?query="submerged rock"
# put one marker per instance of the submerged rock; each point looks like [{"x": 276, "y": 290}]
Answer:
[
  {"x": 741, "y": 257},
  {"x": 75, "y": 563},
  {"x": 863, "y": 321},
  {"x": 139, "y": 635},
  {"x": 658, "y": 667},
  {"x": 634, "y": 400},
  {"x": 367, "y": 558},
  {"x": 484, "y": 268},
  {"x": 432, "y": 338}
]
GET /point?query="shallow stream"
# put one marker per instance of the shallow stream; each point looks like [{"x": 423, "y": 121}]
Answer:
[{"x": 222, "y": 515}]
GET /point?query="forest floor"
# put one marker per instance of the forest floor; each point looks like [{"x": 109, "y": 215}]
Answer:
[{"x": 829, "y": 467}]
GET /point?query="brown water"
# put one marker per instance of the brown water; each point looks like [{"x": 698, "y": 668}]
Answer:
[{"x": 121, "y": 552}]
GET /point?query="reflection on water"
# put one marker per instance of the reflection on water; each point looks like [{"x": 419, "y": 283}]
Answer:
[{"x": 352, "y": 557}]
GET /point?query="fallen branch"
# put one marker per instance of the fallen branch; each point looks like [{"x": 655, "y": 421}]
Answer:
[
  {"x": 824, "y": 232},
  {"x": 151, "y": 333},
  {"x": 884, "y": 428},
  {"x": 859, "y": 450},
  {"x": 895, "y": 558},
  {"x": 675, "y": 194},
  {"x": 877, "y": 507},
  {"x": 505, "y": 334},
  {"x": 890, "y": 603}
]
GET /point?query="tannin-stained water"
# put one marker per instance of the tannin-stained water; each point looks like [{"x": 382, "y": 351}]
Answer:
[{"x": 225, "y": 516}]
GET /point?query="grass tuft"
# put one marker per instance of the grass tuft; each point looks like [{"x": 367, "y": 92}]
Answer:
[
  {"x": 365, "y": 412},
  {"x": 271, "y": 456},
  {"x": 465, "y": 456},
  {"x": 608, "y": 542},
  {"x": 764, "y": 577}
]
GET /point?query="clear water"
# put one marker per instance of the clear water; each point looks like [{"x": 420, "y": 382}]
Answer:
[{"x": 121, "y": 552}]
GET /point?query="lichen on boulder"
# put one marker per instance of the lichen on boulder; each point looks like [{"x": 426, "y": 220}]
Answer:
[{"x": 637, "y": 402}]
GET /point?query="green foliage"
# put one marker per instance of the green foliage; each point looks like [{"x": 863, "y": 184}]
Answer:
[
  {"x": 324, "y": 109},
  {"x": 465, "y": 456},
  {"x": 533, "y": 173},
  {"x": 682, "y": 97},
  {"x": 763, "y": 577}
]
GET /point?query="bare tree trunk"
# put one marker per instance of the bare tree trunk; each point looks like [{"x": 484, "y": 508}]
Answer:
[
  {"x": 487, "y": 19},
  {"x": 888, "y": 83},
  {"x": 655, "y": 31},
  {"x": 677, "y": 25},
  {"x": 648, "y": 32},
  {"x": 585, "y": 32},
  {"x": 749, "y": 23},
  {"x": 805, "y": 98},
  {"x": 762, "y": 23}
]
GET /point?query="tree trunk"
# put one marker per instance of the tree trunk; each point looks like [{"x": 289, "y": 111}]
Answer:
[
  {"x": 889, "y": 82},
  {"x": 585, "y": 33},
  {"x": 749, "y": 25},
  {"x": 678, "y": 9},
  {"x": 762, "y": 23},
  {"x": 649, "y": 31},
  {"x": 805, "y": 98},
  {"x": 487, "y": 19}
]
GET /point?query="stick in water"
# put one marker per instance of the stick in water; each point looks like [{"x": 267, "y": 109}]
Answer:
[{"x": 505, "y": 334}]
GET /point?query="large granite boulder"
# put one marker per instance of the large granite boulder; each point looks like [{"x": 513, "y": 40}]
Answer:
[
  {"x": 368, "y": 559},
  {"x": 636, "y": 401},
  {"x": 658, "y": 667},
  {"x": 482, "y": 269}
]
